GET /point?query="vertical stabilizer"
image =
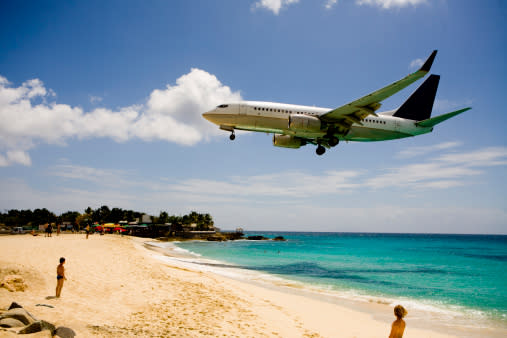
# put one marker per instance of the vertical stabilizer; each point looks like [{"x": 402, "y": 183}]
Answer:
[{"x": 419, "y": 105}]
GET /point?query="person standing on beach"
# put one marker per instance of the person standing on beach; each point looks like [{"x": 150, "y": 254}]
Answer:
[
  {"x": 60, "y": 277},
  {"x": 398, "y": 326},
  {"x": 87, "y": 230}
]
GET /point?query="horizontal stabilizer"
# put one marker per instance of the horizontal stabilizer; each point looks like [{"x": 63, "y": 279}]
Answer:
[{"x": 441, "y": 118}]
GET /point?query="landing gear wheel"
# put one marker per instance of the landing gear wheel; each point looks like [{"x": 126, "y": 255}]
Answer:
[
  {"x": 333, "y": 141},
  {"x": 232, "y": 137},
  {"x": 320, "y": 150}
]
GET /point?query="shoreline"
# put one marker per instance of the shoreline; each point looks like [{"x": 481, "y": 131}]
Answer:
[
  {"x": 422, "y": 317},
  {"x": 118, "y": 287}
]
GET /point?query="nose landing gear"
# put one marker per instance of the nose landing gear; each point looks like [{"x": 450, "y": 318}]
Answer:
[{"x": 232, "y": 136}]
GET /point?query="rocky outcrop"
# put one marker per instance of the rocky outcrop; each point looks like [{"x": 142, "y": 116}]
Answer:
[
  {"x": 10, "y": 322},
  {"x": 13, "y": 283},
  {"x": 14, "y": 305},
  {"x": 18, "y": 318},
  {"x": 40, "y": 325},
  {"x": 19, "y": 314}
]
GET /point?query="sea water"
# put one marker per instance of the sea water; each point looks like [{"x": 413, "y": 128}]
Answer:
[{"x": 464, "y": 274}]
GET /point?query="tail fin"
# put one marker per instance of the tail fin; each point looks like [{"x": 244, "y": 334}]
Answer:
[{"x": 419, "y": 105}]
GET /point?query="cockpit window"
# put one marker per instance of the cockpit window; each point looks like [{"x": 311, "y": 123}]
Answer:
[{"x": 223, "y": 106}]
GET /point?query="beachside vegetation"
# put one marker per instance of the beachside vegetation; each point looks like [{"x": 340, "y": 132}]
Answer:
[{"x": 32, "y": 219}]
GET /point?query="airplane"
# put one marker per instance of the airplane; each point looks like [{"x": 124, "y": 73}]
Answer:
[{"x": 294, "y": 126}]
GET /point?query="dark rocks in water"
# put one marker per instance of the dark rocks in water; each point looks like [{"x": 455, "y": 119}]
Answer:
[
  {"x": 257, "y": 238},
  {"x": 19, "y": 314},
  {"x": 40, "y": 325},
  {"x": 64, "y": 332},
  {"x": 14, "y": 305},
  {"x": 216, "y": 238},
  {"x": 233, "y": 235},
  {"x": 11, "y": 322},
  {"x": 279, "y": 238}
]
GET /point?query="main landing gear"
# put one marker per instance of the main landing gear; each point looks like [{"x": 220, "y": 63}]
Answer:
[
  {"x": 333, "y": 141},
  {"x": 320, "y": 150},
  {"x": 232, "y": 136}
]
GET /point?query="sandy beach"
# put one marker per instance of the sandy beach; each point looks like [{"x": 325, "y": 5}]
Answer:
[{"x": 118, "y": 288}]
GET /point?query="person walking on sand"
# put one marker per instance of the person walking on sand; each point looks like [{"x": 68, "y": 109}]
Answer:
[
  {"x": 60, "y": 277},
  {"x": 87, "y": 230},
  {"x": 398, "y": 326}
]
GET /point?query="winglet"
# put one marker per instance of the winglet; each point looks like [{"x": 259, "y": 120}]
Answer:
[{"x": 427, "y": 65}]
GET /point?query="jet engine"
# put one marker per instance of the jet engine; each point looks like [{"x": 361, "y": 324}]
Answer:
[
  {"x": 288, "y": 141},
  {"x": 304, "y": 123}
]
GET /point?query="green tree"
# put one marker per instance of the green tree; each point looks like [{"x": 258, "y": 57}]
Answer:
[
  {"x": 69, "y": 216},
  {"x": 163, "y": 217}
]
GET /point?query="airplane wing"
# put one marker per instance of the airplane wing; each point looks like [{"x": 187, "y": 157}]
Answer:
[{"x": 353, "y": 112}]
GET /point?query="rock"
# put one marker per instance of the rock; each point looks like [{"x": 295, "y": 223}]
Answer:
[
  {"x": 40, "y": 325},
  {"x": 14, "y": 305},
  {"x": 64, "y": 332},
  {"x": 19, "y": 314},
  {"x": 216, "y": 238},
  {"x": 13, "y": 283},
  {"x": 11, "y": 322},
  {"x": 279, "y": 238},
  {"x": 256, "y": 238}
]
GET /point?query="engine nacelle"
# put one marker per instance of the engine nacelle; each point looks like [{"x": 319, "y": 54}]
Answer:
[
  {"x": 304, "y": 123},
  {"x": 288, "y": 141}
]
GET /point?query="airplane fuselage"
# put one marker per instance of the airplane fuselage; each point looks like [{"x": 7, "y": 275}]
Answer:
[{"x": 276, "y": 118}]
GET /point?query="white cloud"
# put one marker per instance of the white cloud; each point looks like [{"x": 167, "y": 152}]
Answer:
[
  {"x": 330, "y": 3},
  {"x": 445, "y": 171},
  {"x": 386, "y": 4},
  {"x": 95, "y": 99},
  {"x": 419, "y": 151},
  {"x": 487, "y": 157},
  {"x": 172, "y": 114},
  {"x": 417, "y": 63},
  {"x": 442, "y": 172},
  {"x": 292, "y": 185},
  {"x": 274, "y": 5},
  {"x": 13, "y": 157}
]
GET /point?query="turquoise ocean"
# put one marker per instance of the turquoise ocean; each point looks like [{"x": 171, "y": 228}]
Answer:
[{"x": 463, "y": 275}]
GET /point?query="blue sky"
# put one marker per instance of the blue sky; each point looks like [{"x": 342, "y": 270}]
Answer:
[{"x": 101, "y": 103}]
